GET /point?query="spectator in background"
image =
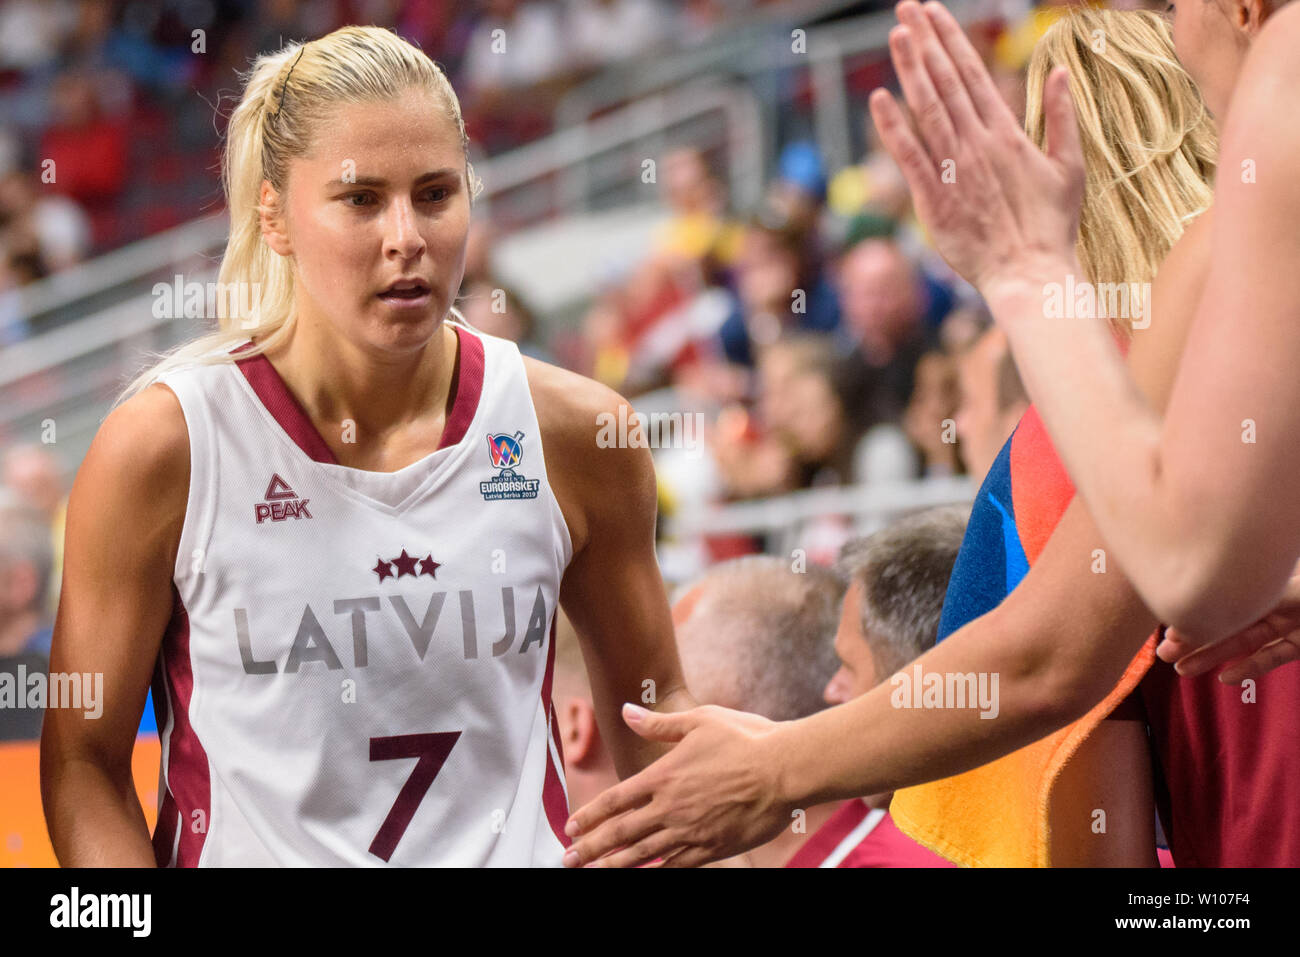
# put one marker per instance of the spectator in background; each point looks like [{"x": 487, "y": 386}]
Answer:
[
  {"x": 812, "y": 426},
  {"x": 929, "y": 420},
  {"x": 499, "y": 310},
  {"x": 26, "y": 567},
  {"x": 799, "y": 190},
  {"x": 875, "y": 186},
  {"x": 691, "y": 254},
  {"x": 588, "y": 765},
  {"x": 87, "y": 150},
  {"x": 810, "y": 399},
  {"x": 515, "y": 65},
  {"x": 897, "y": 579},
  {"x": 780, "y": 287},
  {"x": 884, "y": 303},
  {"x": 602, "y": 32},
  {"x": 529, "y": 48},
  {"x": 698, "y": 225},
  {"x": 756, "y": 636},
  {"x": 35, "y": 476},
  {"x": 961, "y": 327},
  {"x": 31, "y": 32},
  {"x": 992, "y": 401},
  {"x": 699, "y": 20},
  {"x": 45, "y": 224}
]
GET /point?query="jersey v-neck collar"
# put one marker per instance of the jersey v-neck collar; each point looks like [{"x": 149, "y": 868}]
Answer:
[{"x": 283, "y": 406}]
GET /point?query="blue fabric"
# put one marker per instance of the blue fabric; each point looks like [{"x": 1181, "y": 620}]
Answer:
[
  {"x": 991, "y": 560},
  {"x": 39, "y": 641}
]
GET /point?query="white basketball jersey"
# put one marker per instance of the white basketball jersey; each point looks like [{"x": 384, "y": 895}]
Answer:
[{"x": 358, "y": 667}]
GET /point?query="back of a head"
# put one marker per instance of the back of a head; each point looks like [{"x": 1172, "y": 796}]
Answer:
[
  {"x": 1149, "y": 143},
  {"x": 287, "y": 96},
  {"x": 761, "y": 637},
  {"x": 902, "y": 573}
]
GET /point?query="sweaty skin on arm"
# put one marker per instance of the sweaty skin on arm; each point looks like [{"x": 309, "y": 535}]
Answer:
[
  {"x": 612, "y": 591},
  {"x": 1198, "y": 507},
  {"x": 1059, "y": 643},
  {"x": 125, "y": 514}
]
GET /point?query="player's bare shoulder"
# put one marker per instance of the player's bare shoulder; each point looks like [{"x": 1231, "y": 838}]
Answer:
[
  {"x": 586, "y": 464},
  {"x": 137, "y": 470}
]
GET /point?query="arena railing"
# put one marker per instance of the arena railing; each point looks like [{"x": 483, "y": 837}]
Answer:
[
  {"x": 764, "y": 47},
  {"x": 76, "y": 337},
  {"x": 788, "y": 523}
]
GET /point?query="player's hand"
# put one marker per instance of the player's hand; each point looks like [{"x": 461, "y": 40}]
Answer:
[
  {"x": 999, "y": 210},
  {"x": 711, "y": 797},
  {"x": 1269, "y": 643}
]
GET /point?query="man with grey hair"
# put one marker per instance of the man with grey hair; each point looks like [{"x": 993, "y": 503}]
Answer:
[
  {"x": 897, "y": 579},
  {"x": 756, "y": 635}
]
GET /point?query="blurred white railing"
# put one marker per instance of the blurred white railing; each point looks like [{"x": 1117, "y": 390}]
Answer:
[
  {"x": 760, "y": 47},
  {"x": 86, "y": 330},
  {"x": 812, "y": 523}
]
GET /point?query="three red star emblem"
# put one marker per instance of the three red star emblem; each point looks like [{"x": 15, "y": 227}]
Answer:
[{"x": 405, "y": 565}]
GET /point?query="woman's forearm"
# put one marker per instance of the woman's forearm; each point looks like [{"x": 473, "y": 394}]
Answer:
[
  {"x": 94, "y": 820},
  {"x": 890, "y": 738}
]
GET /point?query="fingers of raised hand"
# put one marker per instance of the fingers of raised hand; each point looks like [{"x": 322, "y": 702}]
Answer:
[
  {"x": 928, "y": 109},
  {"x": 987, "y": 101},
  {"x": 906, "y": 149},
  {"x": 947, "y": 81}
]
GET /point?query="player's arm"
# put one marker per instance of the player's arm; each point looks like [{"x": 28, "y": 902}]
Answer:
[
  {"x": 1058, "y": 644},
  {"x": 612, "y": 590},
  {"x": 1197, "y": 507},
  {"x": 123, "y": 528}
]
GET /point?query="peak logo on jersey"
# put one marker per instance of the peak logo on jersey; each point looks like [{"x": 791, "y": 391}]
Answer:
[
  {"x": 405, "y": 565},
  {"x": 505, "y": 452},
  {"x": 281, "y": 502}
]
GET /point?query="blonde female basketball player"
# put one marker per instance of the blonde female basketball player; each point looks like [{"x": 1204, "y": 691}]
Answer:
[
  {"x": 733, "y": 778},
  {"x": 335, "y": 533}
]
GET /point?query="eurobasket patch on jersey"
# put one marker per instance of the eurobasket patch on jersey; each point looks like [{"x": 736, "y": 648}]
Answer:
[{"x": 505, "y": 451}]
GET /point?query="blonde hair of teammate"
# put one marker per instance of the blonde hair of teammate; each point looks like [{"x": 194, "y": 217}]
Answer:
[
  {"x": 1149, "y": 144},
  {"x": 286, "y": 95}
]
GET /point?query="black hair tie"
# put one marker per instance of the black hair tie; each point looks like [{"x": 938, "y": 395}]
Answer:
[{"x": 285, "y": 85}]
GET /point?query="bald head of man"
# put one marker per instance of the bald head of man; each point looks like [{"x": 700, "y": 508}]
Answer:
[{"x": 755, "y": 635}]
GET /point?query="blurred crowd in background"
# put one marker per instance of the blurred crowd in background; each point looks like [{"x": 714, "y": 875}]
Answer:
[{"x": 819, "y": 334}]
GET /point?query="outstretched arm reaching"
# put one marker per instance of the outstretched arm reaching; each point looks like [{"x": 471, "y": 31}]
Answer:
[{"x": 1198, "y": 508}]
